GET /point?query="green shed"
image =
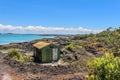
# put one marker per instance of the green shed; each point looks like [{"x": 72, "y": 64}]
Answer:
[{"x": 46, "y": 52}]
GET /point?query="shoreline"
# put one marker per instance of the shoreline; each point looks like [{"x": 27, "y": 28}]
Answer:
[
  {"x": 51, "y": 37},
  {"x": 46, "y": 36}
]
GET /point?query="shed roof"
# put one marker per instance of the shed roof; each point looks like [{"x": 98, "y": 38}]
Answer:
[{"x": 41, "y": 44}]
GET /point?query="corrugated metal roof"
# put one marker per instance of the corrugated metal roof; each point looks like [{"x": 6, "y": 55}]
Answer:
[{"x": 41, "y": 44}]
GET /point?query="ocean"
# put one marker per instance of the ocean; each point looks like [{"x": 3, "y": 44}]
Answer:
[{"x": 10, "y": 38}]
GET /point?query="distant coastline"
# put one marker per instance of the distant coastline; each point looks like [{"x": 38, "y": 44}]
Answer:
[
  {"x": 42, "y": 34},
  {"x": 14, "y": 38}
]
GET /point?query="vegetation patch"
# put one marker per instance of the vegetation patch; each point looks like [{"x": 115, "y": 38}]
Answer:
[
  {"x": 104, "y": 68},
  {"x": 18, "y": 56}
]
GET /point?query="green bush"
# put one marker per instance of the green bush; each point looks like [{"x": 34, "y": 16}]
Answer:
[
  {"x": 18, "y": 56},
  {"x": 25, "y": 59},
  {"x": 73, "y": 46},
  {"x": 70, "y": 46},
  {"x": 111, "y": 39},
  {"x": 104, "y": 68},
  {"x": 14, "y": 53}
]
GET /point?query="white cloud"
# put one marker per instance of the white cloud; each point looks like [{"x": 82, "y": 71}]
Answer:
[{"x": 46, "y": 30}]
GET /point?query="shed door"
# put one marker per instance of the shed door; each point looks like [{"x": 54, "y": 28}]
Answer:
[{"x": 55, "y": 53}]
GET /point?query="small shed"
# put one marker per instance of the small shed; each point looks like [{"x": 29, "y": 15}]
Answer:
[{"x": 46, "y": 52}]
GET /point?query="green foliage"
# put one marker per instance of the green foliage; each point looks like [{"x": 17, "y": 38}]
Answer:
[
  {"x": 70, "y": 46},
  {"x": 73, "y": 46},
  {"x": 24, "y": 59},
  {"x": 14, "y": 53},
  {"x": 104, "y": 68},
  {"x": 82, "y": 35},
  {"x": 18, "y": 56},
  {"x": 91, "y": 40},
  {"x": 111, "y": 38}
]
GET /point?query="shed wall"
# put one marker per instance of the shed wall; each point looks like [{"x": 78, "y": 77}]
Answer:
[{"x": 47, "y": 53}]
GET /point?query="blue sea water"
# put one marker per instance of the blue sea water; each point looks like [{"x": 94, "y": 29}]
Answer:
[{"x": 10, "y": 38}]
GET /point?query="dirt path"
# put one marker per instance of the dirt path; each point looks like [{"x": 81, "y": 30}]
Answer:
[
  {"x": 7, "y": 73},
  {"x": 3, "y": 74}
]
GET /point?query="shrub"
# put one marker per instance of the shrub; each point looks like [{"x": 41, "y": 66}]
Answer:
[
  {"x": 111, "y": 39},
  {"x": 73, "y": 46},
  {"x": 104, "y": 68},
  {"x": 14, "y": 53},
  {"x": 26, "y": 59},
  {"x": 70, "y": 46},
  {"x": 18, "y": 56}
]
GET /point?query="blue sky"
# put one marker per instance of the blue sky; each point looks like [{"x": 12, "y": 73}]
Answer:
[{"x": 85, "y": 15}]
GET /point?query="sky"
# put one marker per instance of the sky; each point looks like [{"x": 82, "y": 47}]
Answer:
[{"x": 58, "y": 16}]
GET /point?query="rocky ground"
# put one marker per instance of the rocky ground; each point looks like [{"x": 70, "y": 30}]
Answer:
[
  {"x": 3, "y": 74},
  {"x": 36, "y": 71}
]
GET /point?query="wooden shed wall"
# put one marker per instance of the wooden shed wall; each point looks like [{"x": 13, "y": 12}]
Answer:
[{"x": 47, "y": 53}]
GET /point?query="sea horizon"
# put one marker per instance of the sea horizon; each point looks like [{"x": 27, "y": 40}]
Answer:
[{"x": 16, "y": 38}]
